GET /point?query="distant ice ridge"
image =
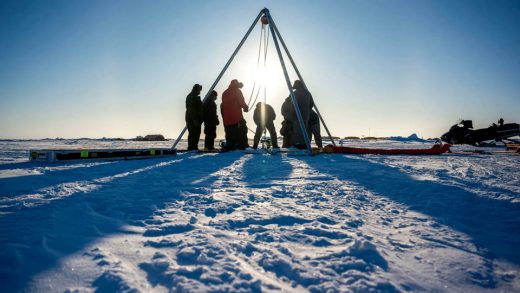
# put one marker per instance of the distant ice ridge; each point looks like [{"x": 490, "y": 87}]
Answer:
[{"x": 412, "y": 137}]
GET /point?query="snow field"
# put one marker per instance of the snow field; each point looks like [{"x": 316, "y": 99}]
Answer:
[{"x": 241, "y": 222}]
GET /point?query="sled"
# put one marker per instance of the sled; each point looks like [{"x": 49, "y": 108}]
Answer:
[
  {"x": 437, "y": 149},
  {"x": 513, "y": 147},
  {"x": 53, "y": 156},
  {"x": 486, "y": 152}
]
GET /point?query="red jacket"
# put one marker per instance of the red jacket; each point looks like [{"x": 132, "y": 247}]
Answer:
[{"x": 232, "y": 104}]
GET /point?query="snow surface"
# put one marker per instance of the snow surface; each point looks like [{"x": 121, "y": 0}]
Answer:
[{"x": 257, "y": 222}]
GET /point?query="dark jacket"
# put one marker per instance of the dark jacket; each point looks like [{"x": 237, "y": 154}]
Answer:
[
  {"x": 193, "y": 109},
  {"x": 314, "y": 118},
  {"x": 304, "y": 99},
  {"x": 209, "y": 109},
  {"x": 286, "y": 109},
  {"x": 270, "y": 115},
  {"x": 305, "y": 103}
]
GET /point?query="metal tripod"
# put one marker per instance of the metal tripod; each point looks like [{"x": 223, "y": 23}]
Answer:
[{"x": 275, "y": 33}]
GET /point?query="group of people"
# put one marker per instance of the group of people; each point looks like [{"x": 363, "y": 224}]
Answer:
[{"x": 233, "y": 103}]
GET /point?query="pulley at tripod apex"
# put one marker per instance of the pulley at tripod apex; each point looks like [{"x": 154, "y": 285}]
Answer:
[{"x": 264, "y": 20}]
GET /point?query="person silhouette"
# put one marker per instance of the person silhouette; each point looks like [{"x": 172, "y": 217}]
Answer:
[{"x": 264, "y": 117}]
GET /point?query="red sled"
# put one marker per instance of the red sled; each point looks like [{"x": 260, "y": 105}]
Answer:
[{"x": 434, "y": 150}]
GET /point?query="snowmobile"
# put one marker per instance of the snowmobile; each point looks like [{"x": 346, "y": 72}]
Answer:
[{"x": 463, "y": 133}]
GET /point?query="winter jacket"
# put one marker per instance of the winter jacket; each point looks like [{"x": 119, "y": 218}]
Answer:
[
  {"x": 193, "y": 109},
  {"x": 314, "y": 118},
  {"x": 286, "y": 109},
  {"x": 209, "y": 109},
  {"x": 305, "y": 101},
  {"x": 270, "y": 115},
  {"x": 232, "y": 104}
]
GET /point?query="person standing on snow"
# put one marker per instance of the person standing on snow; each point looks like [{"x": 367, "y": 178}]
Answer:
[
  {"x": 233, "y": 103},
  {"x": 286, "y": 129},
  {"x": 264, "y": 117},
  {"x": 304, "y": 100},
  {"x": 314, "y": 128},
  {"x": 194, "y": 117},
  {"x": 209, "y": 110}
]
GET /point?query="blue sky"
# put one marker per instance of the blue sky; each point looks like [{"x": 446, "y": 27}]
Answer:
[{"x": 123, "y": 68}]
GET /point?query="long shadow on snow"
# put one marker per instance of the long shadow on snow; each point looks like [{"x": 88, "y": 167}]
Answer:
[
  {"x": 34, "y": 240},
  {"x": 492, "y": 224},
  {"x": 264, "y": 170},
  {"x": 20, "y": 165},
  {"x": 29, "y": 184}
]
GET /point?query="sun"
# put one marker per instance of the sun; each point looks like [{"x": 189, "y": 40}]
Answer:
[{"x": 263, "y": 81}]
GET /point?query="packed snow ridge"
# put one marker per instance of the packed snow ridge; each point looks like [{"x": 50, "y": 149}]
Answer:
[{"x": 236, "y": 222}]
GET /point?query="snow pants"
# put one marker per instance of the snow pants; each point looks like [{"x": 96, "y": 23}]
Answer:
[
  {"x": 193, "y": 135},
  {"x": 314, "y": 130},
  {"x": 298, "y": 140},
  {"x": 210, "y": 132},
  {"x": 231, "y": 136},
  {"x": 272, "y": 132}
]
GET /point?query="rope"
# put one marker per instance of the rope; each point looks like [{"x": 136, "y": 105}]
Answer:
[
  {"x": 264, "y": 39},
  {"x": 257, "y": 65},
  {"x": 266, "y": 44},
  {"x": 256, "y": 98}
]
